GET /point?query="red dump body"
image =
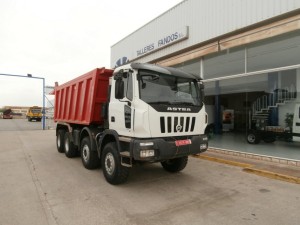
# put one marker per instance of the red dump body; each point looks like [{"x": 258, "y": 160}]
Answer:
[{"x": 80, "y": 101}]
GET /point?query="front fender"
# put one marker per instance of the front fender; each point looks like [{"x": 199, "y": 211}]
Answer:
[{"x": 107, "y": 137}]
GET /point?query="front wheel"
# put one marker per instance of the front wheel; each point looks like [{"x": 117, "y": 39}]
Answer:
[
  {"x": 113, "y": 171},
  {"x": 89, "y": 158},
  {"x": 175, "y": 165}
]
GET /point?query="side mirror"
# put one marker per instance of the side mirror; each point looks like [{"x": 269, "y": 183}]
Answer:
[
  {"x": 120, "y": 75},
  {"x": 201, "y": 87},
  {"x": 119, "y": 89}
]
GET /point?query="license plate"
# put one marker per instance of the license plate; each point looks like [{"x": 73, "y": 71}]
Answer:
[{"x": 183, "y": 142}]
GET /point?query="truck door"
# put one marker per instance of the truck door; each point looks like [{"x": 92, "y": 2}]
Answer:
[
  {"x": 120, "y": 110},
  {"x": 296, "y": 122}
]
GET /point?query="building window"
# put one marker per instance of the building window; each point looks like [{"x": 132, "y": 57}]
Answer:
[
  {"x": 224, "y": 63},
  {"x": 192, "y": 66},
  {"x": 257, "y": 102},
  {"x": 280, "y": 51}
]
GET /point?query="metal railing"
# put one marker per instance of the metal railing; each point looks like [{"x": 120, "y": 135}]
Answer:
[{"x": 274, "y": 99}]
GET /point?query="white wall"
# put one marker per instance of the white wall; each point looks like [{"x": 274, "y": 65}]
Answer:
[{"x": 206, "y": 19}]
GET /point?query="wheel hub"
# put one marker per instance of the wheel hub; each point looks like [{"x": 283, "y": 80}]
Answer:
[
  {"x": 66, "y": 146},
  {"x": 251, "y": 138},
  {"x": 58, "y": 141},
  {"x": 109, "y": 163},
  {"x": 85, "y": 153}
]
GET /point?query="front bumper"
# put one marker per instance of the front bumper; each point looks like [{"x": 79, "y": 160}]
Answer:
[{"x": 166, "y": 148}]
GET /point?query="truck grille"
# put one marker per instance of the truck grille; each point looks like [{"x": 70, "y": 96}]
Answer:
[{"x": 177, "y": 124}]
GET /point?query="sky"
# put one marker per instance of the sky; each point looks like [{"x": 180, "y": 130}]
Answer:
[{"x": 61, "y": 39}]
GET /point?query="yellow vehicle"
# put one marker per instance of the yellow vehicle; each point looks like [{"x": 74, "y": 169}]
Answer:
[{"x": 34, "y": 113}]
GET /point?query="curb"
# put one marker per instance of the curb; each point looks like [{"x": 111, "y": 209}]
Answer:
[
  {"x": 224, "y": 161},
  {"x": 272, "y": 175},
  {"x": 248, "y": 168},
  {"x": 284, "y": 161}
]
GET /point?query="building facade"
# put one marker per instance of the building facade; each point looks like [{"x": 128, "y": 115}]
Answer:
[{"x": 248, "y": 54}]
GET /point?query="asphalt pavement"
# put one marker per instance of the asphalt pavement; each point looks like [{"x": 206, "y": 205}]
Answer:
[{"x": 40, "y": 186}]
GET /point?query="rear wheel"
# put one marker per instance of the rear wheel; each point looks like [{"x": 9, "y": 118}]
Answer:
[
  {"x": 60, "y": 140},
  {"x": 89, "y": 157},
  {"x": 175, "y": 165},
  {"x": 70, "y": 150},
  {"x": 113, "y": 171},
  {"x": 253, "y": 137}
]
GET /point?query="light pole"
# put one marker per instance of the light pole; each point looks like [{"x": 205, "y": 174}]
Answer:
[{"x": 32, "y": 77}]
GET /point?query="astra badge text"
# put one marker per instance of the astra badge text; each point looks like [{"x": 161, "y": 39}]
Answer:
[{"x": 179, "y": 109}]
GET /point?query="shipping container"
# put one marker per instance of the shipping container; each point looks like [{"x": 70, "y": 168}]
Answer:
[{"x": 80, "y": 100}]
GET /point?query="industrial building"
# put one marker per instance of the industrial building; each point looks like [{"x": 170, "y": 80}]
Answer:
[{"x": 248, "y": 54}]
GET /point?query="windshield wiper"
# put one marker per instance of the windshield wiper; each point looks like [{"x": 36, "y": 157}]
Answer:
[
  {"x": 183, "y": 103},
  {"x": 160, "y": 102},
  {"x": 173, "y": 103}
]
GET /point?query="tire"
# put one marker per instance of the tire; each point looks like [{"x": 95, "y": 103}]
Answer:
[
  {"x": 60, "y": 140},
  {"x": 113, "y": 171},
  {"x": 175, "y": 165},
  {"x": 89, "y": 157},
  {"x": 70, "y": 150},
  {"x": 253, "y": 137}
]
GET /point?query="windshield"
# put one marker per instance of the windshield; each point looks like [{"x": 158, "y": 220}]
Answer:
[
  {"x": 157, "y": 88},
  {"x": 35, "y": 110}
]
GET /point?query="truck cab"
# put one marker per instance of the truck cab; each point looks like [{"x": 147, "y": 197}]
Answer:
[
  {"x": 34, "y": 113},
  {"x": 161, "y": 108}
]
